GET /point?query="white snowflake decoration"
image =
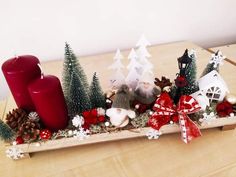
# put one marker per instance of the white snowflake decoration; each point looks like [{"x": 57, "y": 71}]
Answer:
[
  {"x": 78, "y": 121},
  {"x": 81, "y": 134},
  {"x": 217, "y": 59},
  {"x": 14, "y": 153},
  {"x": 153, "y": 134},
  {"x": 207, "y": 118}
]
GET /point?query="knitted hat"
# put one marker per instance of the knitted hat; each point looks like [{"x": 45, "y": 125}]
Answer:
[
  {"x": 122, "y": 98},
  {"x": 147, "y": 76}
]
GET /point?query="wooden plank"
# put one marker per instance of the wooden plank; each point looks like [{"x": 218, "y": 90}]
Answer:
[
  {"x": 228, "y": 127},
  {"x": 114, "y": 136}
]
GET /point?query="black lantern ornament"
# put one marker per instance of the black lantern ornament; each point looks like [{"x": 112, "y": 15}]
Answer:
[
  {"x": 180, "y": 82},
  {"x": 184, "y": 62}
]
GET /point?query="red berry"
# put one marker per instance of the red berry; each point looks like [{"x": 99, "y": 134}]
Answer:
[
  {"x": 45, "y": 134},
  {"x": 101, "y": 118},
  {"x": 19, "y": 140}
]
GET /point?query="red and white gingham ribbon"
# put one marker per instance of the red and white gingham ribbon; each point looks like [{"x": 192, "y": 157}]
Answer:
[{"x": 165, "y": 111}]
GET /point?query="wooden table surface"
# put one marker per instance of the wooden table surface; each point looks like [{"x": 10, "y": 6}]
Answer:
[{"x": 214, "y": 154}]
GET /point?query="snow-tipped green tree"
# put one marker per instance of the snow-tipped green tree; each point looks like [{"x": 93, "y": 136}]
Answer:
[
  {"x": 191, "y": 76},
  {"x": 78, "y": 101},
  {"x": 71, "y": 64},
  {"x": 216, "y": 60},
  {"x": 96, "y": 95},
  {"x": 6, "y": 133}
]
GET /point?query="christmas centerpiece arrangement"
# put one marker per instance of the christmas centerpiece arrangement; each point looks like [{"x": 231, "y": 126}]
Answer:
[{"x": 51, "y": 114}]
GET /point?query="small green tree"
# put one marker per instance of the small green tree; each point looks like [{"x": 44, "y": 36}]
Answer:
[
  {"x": 78, "y": 100},
  {"x": 212, "y": 65},
  {"x": 96, "y": 96},
  {"x": 6, "y": 133},
  {"x": 191, "y": 75},
  {"x": 71, "y": 64}
]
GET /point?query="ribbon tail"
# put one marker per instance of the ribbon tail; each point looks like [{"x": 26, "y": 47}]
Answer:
[
  {"x": 157, "y": 121},
  {"x": 189, "y": 130}
]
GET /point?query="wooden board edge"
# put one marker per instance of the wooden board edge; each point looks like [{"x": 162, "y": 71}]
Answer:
[{"x": 114, "y": 136}]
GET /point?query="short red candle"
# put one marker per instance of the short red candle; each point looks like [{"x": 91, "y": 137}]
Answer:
[
  {"x": 48, "y": 98},
  {"x": 19, "y": 72}
]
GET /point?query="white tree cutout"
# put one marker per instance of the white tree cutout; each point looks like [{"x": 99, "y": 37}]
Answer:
[
  {"x": 117, "y": 77},
  {"x": 143, "y": 41},
  {"x": 118, "y": 55},
  {"x": 143, "y": 54},
  {"x": 134, "y": 66}
]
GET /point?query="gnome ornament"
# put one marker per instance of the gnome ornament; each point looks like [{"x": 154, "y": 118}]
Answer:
[
  {"x": 120, "y": 111},
  {"x": 146, "y": 92}
]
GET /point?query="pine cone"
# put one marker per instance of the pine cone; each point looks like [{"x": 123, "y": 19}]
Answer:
[
  {"x": 29, "y": 130},
  {"x": 34, "y": 116},
  {"x": 15, "y": 118}
]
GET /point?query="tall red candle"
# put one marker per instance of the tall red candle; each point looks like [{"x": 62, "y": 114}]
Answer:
[
  {"x": 19, "y": 72},
  {"x": 48, "y": 98}
]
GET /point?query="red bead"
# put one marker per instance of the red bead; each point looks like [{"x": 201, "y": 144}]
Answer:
[
  {"x": 94, "y": 112},
  {"x": 19, "y": 140},
  {"x": 45, "y": 134},
  {"x": 101, "y": 118}
]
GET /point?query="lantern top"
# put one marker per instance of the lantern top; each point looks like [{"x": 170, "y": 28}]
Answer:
[
  {"x": 185, "y": 59},
  {"x": 184, "y": 62}
]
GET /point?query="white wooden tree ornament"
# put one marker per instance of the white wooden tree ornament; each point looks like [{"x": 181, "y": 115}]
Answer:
[
  {"x": 118, "y": 55},
  {"x": 143, "y": 54},
  {"x": 143, "y": 42},
  {"x": 134, "y": 67},
  {"x": 117, "y": 78}
]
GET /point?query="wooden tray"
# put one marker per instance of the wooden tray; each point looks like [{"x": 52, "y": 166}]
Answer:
[
  {"x": 226, "y": 123},
  {"x": 162, "y": 56}
]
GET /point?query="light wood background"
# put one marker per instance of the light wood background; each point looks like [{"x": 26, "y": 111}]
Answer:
[{"x": 212, "y": 155}]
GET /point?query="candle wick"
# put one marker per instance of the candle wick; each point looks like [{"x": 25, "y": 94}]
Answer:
[
  {"x": 16, "y": 56},
  {"x": 40, "y": 67}
]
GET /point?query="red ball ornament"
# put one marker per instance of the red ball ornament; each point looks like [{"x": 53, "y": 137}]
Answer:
[
  {"x": 45, "y": 134},
  {"x": 181, "y": 81},
  {"x": 19, "y": 140}
]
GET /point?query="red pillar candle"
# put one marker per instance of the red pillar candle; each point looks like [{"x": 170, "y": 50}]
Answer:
[
  {"x": 19, "y": 72},
  {"x": 48, "y": 98}
]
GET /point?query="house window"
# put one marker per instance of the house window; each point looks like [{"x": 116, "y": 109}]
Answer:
[{"x": 213, "y": 94}]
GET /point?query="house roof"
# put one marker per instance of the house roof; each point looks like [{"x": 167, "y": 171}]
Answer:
[{"x": 213, "y": 78}]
